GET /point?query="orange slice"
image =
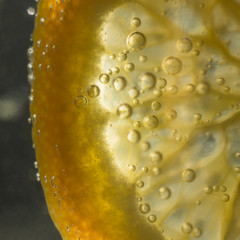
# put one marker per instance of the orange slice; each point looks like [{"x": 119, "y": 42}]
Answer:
[{"x": 135, "y": 111}]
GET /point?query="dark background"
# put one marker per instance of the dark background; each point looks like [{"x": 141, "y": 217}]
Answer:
[{"x": 23, "y": 211}]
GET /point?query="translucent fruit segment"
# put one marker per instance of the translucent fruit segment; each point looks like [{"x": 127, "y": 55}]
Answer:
[{"x": 135, "y": 111}]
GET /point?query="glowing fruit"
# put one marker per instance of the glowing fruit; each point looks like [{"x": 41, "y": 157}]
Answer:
[{"x": 135, "y": 111}]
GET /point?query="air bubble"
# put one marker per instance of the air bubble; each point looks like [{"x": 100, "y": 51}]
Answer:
[
  {"x": 161, "y": 83},
  {"x": 208, "y": 189},
  {"x": 225, "y": 197},
  {"x": 184, "y": 45},
  {"x": 124, "y": 111},
  {"x": 133, "y": 92},
  {"x": 80, "y": 101},
  {"x": 237, "y": 170},
  {"x": 140, "y": 184},
  {"x": 129, "y": 67},
  {"x": 144, "y": 208},
  {"x": 121, "y": 57},
  {"x": 135, "y": 22},
  {"x": 189, "y": 88},
  {"x": 131, "y": 168},
  {"x": 220, "y": 81},
  {"x": 172, "y": 65},
  {"x": 147, "y": 81},
  {"x": 197, "y": 232},
  {"x": 164, "y": 193},
  {"x": 172, "y": 114},
  {"x": 155, "y": 157},
  {"x": 144, "y": 169},
  {"x": 187, "y": 228},
  {"x": 142, "y": 59},
  {"x": 145, "y": 146},
  {"x": 136, "y": 41},
  {"x": 152, "y": 218},
  {"x": 133, "y": 136},
  {"x": 150, "y": 122},
  {"x": 31, "y": 11},
  {"x": 156, "y": 105},
  {"x": 188, "y": 175},
  {"x": 93, "y": 91},
  {"x": 197, "y": 116},
  {"x": 202, "y": 88},
  {"x": 222, "y": 189},
  {"x": 237, "y": 155},
  {"x": 119, "y": 83},
  {"x": 115, "y": 70},
  {"x": 104, "y": 78}
]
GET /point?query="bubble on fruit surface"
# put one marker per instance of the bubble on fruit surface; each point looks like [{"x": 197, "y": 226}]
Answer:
[
  {"x": 144, "y": 208},
  {"x": 133, "y": 136},
  {"x": 172, "y": 65},
  {"x": 188, "y": 175},
  {"x": 161, "y": 83},
  {"x": 164, "y": 193},
  {"x": 155, "y": 105},
  {"x": 119, "y": 83},
  {"x": 104, "y": 78},
  {"x": 129, "y": 67},
  {"x": 145, "y": 146},
  {"x": 124, "y": 110},
  {"x": 140, "y": 184},
  {"x": 202, "y": 88},
  {"x": 152, "y": 218},
  {"x": 147, "y": 81},
  {"x": 136, "y": 41},
  {"x": 142, "y": 59},
  {"x": 208, "y": 189},
  {"x": 155, "y": 157},
  {"x": 135, "y": 22},
  {"x": 121, "y": 57},
  {"x": 80, "y": 101},
  {"x": 133, "y": 92},
  {"x": 187, "y": 228},
  {"x": 184, "y": 45},
  {"x": 196, "y": 232},
  {"x": 150, "y": 122},
  {"x": 93, "y": 91}
]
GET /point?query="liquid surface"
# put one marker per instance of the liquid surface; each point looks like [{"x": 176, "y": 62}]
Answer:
[{"x": 135, "y": 111}]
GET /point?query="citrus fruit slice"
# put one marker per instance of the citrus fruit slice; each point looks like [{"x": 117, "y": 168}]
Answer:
[{"x": 135, "y": 111}]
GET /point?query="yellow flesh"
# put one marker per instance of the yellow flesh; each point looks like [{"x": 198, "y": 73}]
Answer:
[{"x": 132, "y": 158}]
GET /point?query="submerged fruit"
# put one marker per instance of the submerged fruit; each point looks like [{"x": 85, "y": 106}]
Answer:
[{"x": 135, "y": 111}]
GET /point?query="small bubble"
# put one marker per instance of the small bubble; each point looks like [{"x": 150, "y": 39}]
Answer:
[
  {"x": 187, "y": 228},
  {"x": 157, "y": 69},
  {"x": 112, "y": 56},
  {"x": 31, "y": 11},
  {"x": 145, "y": 146},
  {"x": 55, "y": 181},
  {"x": 121, "y": 57},
  {"x": 35, "y": 164},
  {"x": 155, "y": 157},
  {"x": 164, "y": 193},
  {"x": 150, "y": 122},
  {"x": 139, "y": 199},
  {"x": 198, "y": 202},
  {"x": 196, "y": 232},
  {"x": 197, "y": 116},
  {"x": 137, "y": 124},
  {"x": 135, "y": 22},
  {"x": 155, "y": 105},
  {"x": 161, "y": 83},
  {"x": 133, "y": 136},
  {"x": 93, "y": 91},
  {"x": 37, "y": 176},
  {"x": 184, "y": 45},
  {"x": 115, "y": 70},
  {"x": 80, "y": 101},
  {"x": 45, "y": 179},
  {"x": 104, "y": 78},
  {"x": 42, "y": 21},
  {"x": 119, "y": 83},
  {"x": 202, "y": 88},
  {"x": 133, "y": 92},
  {"x": 131, "y": 168},
  {"x": 146, "y": 81},
  {"x": 171, "y": 114},
  {"x": 173, "y": 90},
  {"x": 140, "y": 184},
  {"x": 142, "y": 59},
  {"x": 237, "y": 170},
  {"x": 220, "y": 81},
  {"x": 63, "y": 203},
  {"x": 157, "y": 92},
  {"x": 144, "y": 208},
  {"x": 156, "y": 171},
  {"x": 136, "y": 41},
  {"x": 144, "y": 169},
  {"x": 172, "y": 65},
  {"x": 129, "y": 67},
  {"x": 34, "y": 118},
  {"x": 108, "y": 72},
  {"x": 237, "y": 155},
  {"x": 189, "y": 87},
  {"x": 152, "y": 218},
  {"x": 124, "y": 111},
  {"x": 222, "y": 189},
  {"x": 188, "y": 175},
  {"x": 225, "y": 197},
  {"x": 208, "y": 189},
  {"x": 215, "y": 188}
]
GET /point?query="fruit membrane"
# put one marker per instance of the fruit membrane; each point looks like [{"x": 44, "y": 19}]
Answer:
[{"x": 136, "y": 123}]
